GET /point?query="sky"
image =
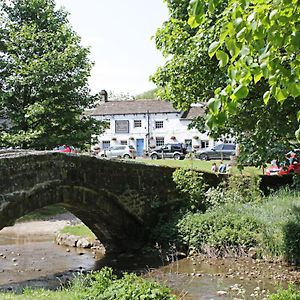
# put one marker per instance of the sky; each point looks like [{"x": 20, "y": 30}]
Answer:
[{"x": 119, "y": 34}]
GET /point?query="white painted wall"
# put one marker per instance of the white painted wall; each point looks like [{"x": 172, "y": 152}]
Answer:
[{"x": 173, "y": 127}]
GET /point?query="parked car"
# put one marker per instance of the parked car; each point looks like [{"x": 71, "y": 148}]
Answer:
[
  {"x": 65, "y": 148},
  {"x": 119, "y": 151},
  {"x": 220, "y": 151},
  {"x": 284, "y": 170},
  {"x": 176, "y": 151}
]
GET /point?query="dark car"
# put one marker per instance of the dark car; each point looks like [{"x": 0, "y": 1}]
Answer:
[
  {"x": 220, "y": 151},
  {"x": 175, "y": 151}
]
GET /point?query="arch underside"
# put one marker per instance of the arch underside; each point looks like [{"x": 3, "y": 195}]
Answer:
[{"x": 100, "y": 210}]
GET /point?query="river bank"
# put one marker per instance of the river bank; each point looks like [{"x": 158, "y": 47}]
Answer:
[{"x": 33, "y": 259}]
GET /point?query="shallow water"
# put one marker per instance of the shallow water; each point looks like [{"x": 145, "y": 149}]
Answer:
[{"x": 36, "y": 261}]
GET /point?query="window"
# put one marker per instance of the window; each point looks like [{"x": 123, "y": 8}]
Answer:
[
  {"x": 137, "y": 123},
  {"x": 159, "y": 141},
  {"x": 204, "y": 144},
  {"x": 229, "y": 147},
  {"x": 159, "y": 124},
  {"x": 117, "y": 147},
  {"x": 188, "y": 144},
  {"x": 105, "y": 144},
  {"x": 219, "y": 147},
  {"x": 122, "y": 126},
  {"x": 123, "y": 142}
]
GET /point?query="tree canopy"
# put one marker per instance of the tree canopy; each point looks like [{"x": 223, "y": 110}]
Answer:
[
  {"x": 257, "y": 40},
  {"x": 195, "y": 71},
  {"x": 43, "y": 77}
]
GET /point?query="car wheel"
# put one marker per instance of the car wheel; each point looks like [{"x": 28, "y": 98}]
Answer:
[
  {"x": 203, "y": 156},
  {"x": 176, "y": 156},
  {"x": 126, "y": 156},
  {"x": 154, "y": 156}
]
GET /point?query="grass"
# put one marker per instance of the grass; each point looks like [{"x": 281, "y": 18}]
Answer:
[
  {"x": 201, "y": 165},
  {"x": 79, "y": 230},
  {"x": 43, "y": 213},
  {"x": 99, "y": 285}
]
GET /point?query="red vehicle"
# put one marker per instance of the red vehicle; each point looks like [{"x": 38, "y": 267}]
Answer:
[
  {"x": 291, "y": 169},
  {"x": 65, "y": 148}
]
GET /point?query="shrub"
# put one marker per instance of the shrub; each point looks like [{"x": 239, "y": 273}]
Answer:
[
  {"x": 192, "y": 186},
  {"x": 219, "y": 229},
  {"x": 102, "y": 285},
  {"x": 133, "y": 287},
  {"x": 237, "y": 189},
  {"x": 289, "y": 294}
]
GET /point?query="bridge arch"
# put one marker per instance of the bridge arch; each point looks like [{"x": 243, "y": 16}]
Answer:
[{"x": 119, "y": 201}]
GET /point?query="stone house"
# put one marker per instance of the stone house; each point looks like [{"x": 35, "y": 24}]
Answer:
[{"x": 146, "y": 124}]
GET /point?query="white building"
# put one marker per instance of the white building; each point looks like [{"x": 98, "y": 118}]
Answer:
[{"x": 146, "y": 124}]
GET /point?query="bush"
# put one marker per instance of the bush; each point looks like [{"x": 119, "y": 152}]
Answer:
[
  {"x": 237, "y": 189},
  {"x": 102, "y": 285},
  {"x": 192, "y": 186},
  {"x": 220, "y": 230},
  {"x": 290, "y": 294}
]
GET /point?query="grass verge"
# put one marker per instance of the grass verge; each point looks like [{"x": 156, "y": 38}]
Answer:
[
  {"x": 102, "y": 285},
  {"x": 43, "y": 213},
  {"x": 79, "y": 230},
  {"x": 198, "y": 164}
]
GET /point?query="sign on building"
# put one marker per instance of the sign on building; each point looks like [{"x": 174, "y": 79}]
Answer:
[{"x": 122, "y": 126}]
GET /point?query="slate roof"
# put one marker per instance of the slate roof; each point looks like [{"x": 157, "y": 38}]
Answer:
[
  {"x": 193, "y": 112},
  {"x": 142, "y": 107},
  {"x": 133, "y": 107}
]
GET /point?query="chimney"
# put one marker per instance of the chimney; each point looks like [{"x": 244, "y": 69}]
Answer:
[{"x": 103, "y": 94}]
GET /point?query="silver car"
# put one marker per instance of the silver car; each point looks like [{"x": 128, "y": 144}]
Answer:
[
  {"x": 119, "y": 151},
  {"x": 220, "y": 151}
]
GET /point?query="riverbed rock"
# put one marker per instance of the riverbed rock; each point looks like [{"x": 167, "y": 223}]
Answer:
[
  {"x": 221, "y": 293},
  {"x": 83, "y": 243},
  {"x": 67, "y": 240},
  {"x": 252, "y": 252}
]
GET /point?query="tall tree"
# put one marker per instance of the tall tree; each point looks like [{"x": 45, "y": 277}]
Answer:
[
  {"x": 43, "y": 77},
  {"x": 257, "y": 40},
  {"x": 190, "y": 76}
]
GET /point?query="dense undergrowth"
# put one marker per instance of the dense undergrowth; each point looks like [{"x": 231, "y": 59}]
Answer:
[
  {"x": 289, "y": 294},
  {"x": 232, "y": 218},
  {"x": 102, "y": 285}
]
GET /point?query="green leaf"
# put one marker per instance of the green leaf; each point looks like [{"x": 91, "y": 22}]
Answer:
[
  {"x": 294, "y": 89},
  {"x": 213, "y": 48},
  {"x": 197, "y": 12},
  {"x": 214, "y": 104},
  {"x": 192, "y": 22},
  {"x": 240, "y": 92},
  {"x": 232, "y": 47},
  {"x": 298, "y": 116},
  {"x": 280, "y": 94},
  {"x": 297, "y": 134},
  {"x": 266, "y": 97},
  {"x": 223, "y": 58},
  {"x": 258, "y": 76}
]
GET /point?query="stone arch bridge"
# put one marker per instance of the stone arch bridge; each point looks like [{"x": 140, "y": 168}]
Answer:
[{"x": 119, "y": 201}]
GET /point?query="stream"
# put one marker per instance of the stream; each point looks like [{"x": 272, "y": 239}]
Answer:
[{"x": 36, "y": 261}]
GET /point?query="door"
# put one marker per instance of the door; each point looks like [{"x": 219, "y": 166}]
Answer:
[{"x": 139, "y": 147}]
